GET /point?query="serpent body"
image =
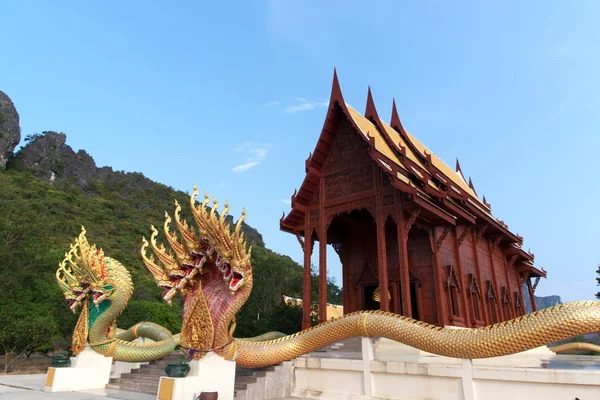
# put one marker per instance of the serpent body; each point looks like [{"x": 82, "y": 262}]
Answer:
[{"x": 513, "y": 336}]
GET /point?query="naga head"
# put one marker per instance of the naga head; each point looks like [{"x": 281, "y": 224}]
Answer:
[
  {"x": 210, "y": 263},
  {"x": 85, "y": 273}
]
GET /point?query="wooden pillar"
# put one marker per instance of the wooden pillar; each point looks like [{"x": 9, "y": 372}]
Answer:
[
  {"x": 403, "y": 259},
  {"x": 322, "y": 254},
  {"x": 495, "y": 280},
  {"x": 382, "y": 270},
  {"x": 396, "y": 297},
  {"x": 384, "y": 304},
  {"x": 482, "y": 287},
  {"x": 438, "y": 281},
  {"x": 513, "y": 306},
  {"x": 308, "y": 246},
  {"x": 461, "y": 275},
  {"x": 520, "y": 294},
  {"x": 531, "y": 296}
]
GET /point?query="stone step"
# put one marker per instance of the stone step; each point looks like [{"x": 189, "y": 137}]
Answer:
[
  {"x": 148, "y": 389},
  {"x": 146, "y": 379},
  {"x": 136, "y": 378}
]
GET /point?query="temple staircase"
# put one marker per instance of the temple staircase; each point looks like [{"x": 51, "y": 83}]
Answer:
[{"x": 250, "y": 384}]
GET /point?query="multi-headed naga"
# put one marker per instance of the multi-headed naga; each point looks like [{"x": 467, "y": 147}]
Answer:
[
  {"x": 101, "y": 287},
  {"x": 211, "y": 267}
]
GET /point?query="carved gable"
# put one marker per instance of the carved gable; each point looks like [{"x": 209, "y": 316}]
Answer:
[
  {"x": 347, "y": 150},
  {"x": 348, "y": 168}
]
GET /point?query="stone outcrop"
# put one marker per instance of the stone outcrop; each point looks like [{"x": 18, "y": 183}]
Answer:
[
  {"x": 49, "y": 157},
  {"x": 540, "y": 301},
  {"x": 10, "y": 132}
]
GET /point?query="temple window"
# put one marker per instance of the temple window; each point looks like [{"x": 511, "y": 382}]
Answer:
[
  {"x": 453, "y": 289},
  {"x": 475, "y": 294}
]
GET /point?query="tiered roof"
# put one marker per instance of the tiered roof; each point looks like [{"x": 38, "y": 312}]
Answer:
[{"x": 440, "y": 191}]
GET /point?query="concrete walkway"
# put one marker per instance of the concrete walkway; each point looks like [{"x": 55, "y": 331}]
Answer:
[{"x": 31, "y": 387}]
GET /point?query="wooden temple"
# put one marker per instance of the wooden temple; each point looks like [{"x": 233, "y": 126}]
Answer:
[{"x": 396, "y": 214}]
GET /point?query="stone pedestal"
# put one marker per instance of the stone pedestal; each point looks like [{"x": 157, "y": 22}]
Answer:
[
  {"x": 89, "y": 370},
  {"x": 210, "y": 374}
]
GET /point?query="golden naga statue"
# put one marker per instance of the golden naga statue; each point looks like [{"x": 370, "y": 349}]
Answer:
[
  {"x": 211, "y": 268},
  {"x": 101, "y": 287}
]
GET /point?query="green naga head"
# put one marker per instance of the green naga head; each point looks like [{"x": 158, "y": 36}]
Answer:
[{"x": 86, "y": 273}]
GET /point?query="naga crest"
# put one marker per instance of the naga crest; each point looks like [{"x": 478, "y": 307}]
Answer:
[
  {"x": 211, "y": 267},
  {"x": 85, "y": 275}
]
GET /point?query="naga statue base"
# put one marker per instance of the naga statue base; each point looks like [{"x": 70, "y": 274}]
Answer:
[
  {"x": 90, "y": 370},
  {"x": 212, "y": 373}
]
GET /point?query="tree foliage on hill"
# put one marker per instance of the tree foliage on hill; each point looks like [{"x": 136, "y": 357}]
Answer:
[{"x": 38, "y": 221}]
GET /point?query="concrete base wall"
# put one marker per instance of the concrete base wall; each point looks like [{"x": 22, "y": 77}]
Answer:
[{"x": 431, "y": 377}]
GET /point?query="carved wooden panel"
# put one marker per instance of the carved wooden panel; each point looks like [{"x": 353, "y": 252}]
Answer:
[
  {"x": 332, "y": 212},
  {"x": 388, "y": 199},
  {"x": 314, "y": 216},
  {"x": 348, "y": 182},
  {"x": 347, "y": 149},
  {"x": 315, "y": 198}
]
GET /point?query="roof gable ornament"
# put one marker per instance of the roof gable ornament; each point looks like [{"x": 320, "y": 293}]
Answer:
[
  {"x": 370, "y": 110},
  {"x": 459, "y": 170},
  {"x": 395, "y": 122},
  {"x": 472, "y": 186},
  {"x": 336, "y": 90}
]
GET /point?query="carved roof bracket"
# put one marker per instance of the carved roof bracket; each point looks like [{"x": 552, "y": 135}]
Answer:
[
  {"x": 414, "y": 214},
  {"x": 535, "y": 283},
  {"x": 495, "y": 241},
  {"x": 442, "y": 237},
  {"x": 512, "y": 260},
  {"x": 480, "y": 230},
  {"x": 300, "y": 240},
  {"x": 464, "y": 234}
]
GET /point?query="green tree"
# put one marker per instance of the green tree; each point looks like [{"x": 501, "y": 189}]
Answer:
[{"x": 20, "y": 336}]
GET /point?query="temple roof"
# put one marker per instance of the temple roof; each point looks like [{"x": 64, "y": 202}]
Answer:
[{"x": 412, "y": 167}]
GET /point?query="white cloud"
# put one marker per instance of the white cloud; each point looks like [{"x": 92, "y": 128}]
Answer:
[
  {"x": 272, "y": 103},
  {"x": 286, "y": 201},
  {"x": 244, "y": 167},
  {"x": 256, "y": 153},
  {"x": 304, "y": 105}
]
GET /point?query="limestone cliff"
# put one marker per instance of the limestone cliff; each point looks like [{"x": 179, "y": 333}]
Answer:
[{"x": 10, "y": 132}]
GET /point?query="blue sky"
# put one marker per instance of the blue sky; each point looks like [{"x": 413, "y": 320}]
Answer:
[{"x": 232, "y": 98}]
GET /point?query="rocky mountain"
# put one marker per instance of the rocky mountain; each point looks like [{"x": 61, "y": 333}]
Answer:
[
  {"x": 540, "y": 301},
  {"x": 10, "y": 132},
  {"x": 48, "y": 157}
]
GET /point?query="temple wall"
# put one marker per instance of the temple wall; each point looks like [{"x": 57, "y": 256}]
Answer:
[
  {"x": 483, "y": 256},
  {"x": 466, "y": 256},
  {"x": 421, "y": 265}
]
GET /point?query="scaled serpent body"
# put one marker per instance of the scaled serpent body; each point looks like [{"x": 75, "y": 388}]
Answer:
[{"x": 513, "y": 336}]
